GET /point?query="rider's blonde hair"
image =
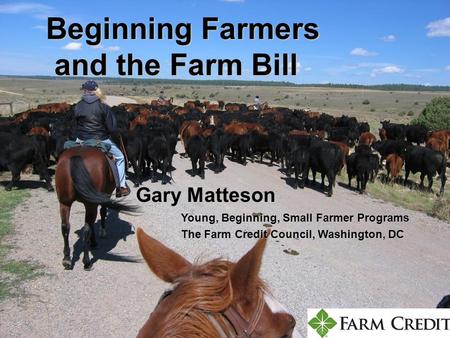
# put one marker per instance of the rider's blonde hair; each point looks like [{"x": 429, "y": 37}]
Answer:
[{"x": 100, "y": 94}]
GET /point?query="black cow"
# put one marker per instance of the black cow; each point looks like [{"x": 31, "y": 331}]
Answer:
[
  {"x": 387, "y": 147},
  {"x": 17, "y": 151},
  {"x": 326, "y": 158},
  {"x": 363, "y": 127},
  {"x": 361, "y": 164},
  {"x": 196, "y": 149},
  {"x": 394, "y": 131},
  {"x": 133, "y": 142},
  {"x": 240, "y": 147},
  {"x": 159, "y": 153},
  {"x": 217, "y": 146},
  {"x": 374, "y": 166},
  {"x": 259, "y": 144},
  {"x": 277, "y": 141},
  {"x": 426, "y": 161},
  {"x": 59, "y": 134},
  {"x": 347, "y": 135},
  {"x": 298, "y": 158},
  {"x": 416, "y": 133}
]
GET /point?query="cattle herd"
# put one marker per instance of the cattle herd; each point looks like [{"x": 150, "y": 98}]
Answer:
[{"x": 299, "y": 141}]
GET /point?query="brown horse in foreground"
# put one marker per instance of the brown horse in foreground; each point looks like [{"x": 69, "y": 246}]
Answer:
[
  {"x": 83, "y": 174},
  {"x": 212, "y": 300}
]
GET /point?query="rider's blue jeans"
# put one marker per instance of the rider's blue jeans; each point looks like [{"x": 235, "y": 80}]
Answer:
[{"x": 120, "y": 161}]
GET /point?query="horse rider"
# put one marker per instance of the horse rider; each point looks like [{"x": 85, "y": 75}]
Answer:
[
  {"x": 257, "y": 103},
  {"x": 95, "y": 120},
  {"x": 162, "y": 99}
]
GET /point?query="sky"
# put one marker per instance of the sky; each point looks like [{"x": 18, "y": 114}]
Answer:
[{"x": 362, "y": 42}]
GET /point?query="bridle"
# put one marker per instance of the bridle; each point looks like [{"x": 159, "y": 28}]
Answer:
[
  {"x": 242, "y": 327},
  {"x": 231, "y": 323}
]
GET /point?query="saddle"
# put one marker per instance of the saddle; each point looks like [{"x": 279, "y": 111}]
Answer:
[{"x": 104, "y": 147}]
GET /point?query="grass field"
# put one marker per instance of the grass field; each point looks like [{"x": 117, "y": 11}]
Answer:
[
  {"x": 367, "y": 105},
  {"x": 12, "y": 272},
  {"x": 406, "y": 196}
]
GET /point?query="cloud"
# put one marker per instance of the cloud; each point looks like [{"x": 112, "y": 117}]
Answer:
[
  {"x": 298, "y": 66},
  {"x": 109, "y": 49},
  {"x": 439, "y": 28},
  {"x": 72, "y": 46},
  {"x": 39, "y": 11},
  {"x": 113, "y": 48},
  {"x": 389, "y": 38},
  {"x": 362, "y": 52},
  {"x": 307, "y": 69},
  {"x": 392, "y": 69},
  {"x": 447, "y": 69}
]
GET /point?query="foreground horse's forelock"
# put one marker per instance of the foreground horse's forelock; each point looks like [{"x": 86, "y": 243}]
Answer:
[{"x": 214, "y": 299}]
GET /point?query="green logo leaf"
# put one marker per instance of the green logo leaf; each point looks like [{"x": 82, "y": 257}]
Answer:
[{"x": 322, "y": 323}]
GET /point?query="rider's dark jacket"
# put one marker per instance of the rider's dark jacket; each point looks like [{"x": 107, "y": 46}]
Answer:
[{"x": 95, "y": 120}]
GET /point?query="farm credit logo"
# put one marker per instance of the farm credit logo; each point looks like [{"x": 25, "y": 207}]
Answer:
[
  {"x": 322, "y": 323},
  {"x": 379, "y": 323}
]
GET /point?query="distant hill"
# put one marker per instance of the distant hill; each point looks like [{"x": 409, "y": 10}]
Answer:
[{"x": 146, "y": 81}]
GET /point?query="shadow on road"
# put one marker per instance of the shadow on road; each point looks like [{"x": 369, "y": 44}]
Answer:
[
  {"x": 116, "y": 230},
  {"x": 26, "y": 184}
]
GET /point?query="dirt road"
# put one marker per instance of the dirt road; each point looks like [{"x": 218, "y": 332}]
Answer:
[
  {"x": 116, "y": 100},
  {"x": 116, "y": 297},
  {"x": 11, "y": 93}
]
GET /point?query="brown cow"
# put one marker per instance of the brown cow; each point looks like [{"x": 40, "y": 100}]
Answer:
[
  {"x": 367, "y": 138},
  {"x": 207, "y": 132},
  {"x": 212, "y": 106},
  {"x": 38, "y": 131},
  {"x": 313, "y": 114},
  {"x": 255, "y": 127},
  {"x": 296, "y": 132},
  {"x": 320, "y": 134},
  {"x": 437, "y": 144},
  {"x": 189, "y": 105},
  {"x": 158, "y": 102},
  {"x": 140, "y": 120},
  {"x": 189, "y": 129},
  {"x": 345, "y": 150},
  {"x": 54, "y": 107},
  {"x": 232, "y": 107},
  {"x": 443, "y": 135},
  {"x": 20, "y": 117},
  {"x": 235, "y": 128},
  {"x": 383, "y": 134},
  {"x": 129, "y": 107},
  {"x": 394, "y": 164},
  {"x": 180, "y": 110},
  {"x": 147, "y": 112}
]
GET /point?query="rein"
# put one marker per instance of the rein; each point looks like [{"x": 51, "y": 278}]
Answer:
[{"x": 231, "y": 323}]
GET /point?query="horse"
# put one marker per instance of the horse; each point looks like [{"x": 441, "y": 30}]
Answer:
[
  {"x": 212, "y": 300},
  {"x": 83, "y": 174}
]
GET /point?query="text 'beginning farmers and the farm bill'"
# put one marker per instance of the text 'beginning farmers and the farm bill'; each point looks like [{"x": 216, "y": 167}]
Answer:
[{"x": 93, "y": 34}]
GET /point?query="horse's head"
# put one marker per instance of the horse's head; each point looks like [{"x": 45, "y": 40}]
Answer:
[{"x": 215, "y": 300}]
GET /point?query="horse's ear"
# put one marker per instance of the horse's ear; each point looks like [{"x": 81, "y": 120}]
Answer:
[
  {"x": 245, "y": 273},
  {"x": 164, "y": 262}
]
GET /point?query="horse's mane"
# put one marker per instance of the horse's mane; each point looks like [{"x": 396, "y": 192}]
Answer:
[{"x": 205, "y": 290}]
